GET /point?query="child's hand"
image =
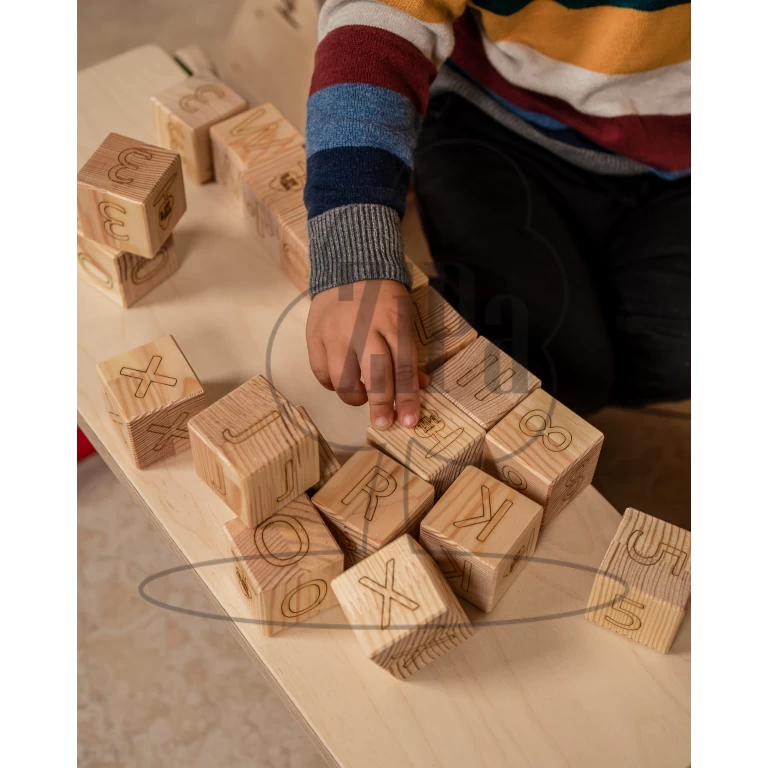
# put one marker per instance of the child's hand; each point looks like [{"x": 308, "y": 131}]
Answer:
[{"x": 365, "y": 330}]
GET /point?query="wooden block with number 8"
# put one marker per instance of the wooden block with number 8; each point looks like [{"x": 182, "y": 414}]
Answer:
[
  {"x": 401, "y": 609},
  {"x": 544, "y": 450},
  {"x": 130, "y": 195},
  {"x": 644, "y": 582}
]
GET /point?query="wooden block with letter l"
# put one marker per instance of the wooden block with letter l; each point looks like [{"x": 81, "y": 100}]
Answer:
[
  {"x": 247, "y": 140},
  {"x": 544, "y": 450},
  {"x": 255, "y": 450},
  {"x": 443, "y": 442},
  {"x": 184, "y": 114},
  {"x": 440, "y": 330},
  {"x": 401, "y": 609},
  {"x": 151, "y": 392},
  {"x": 371, "y": 501},
  {"x": 644, "y": 582},
  {"x": 130, "y": 195},
  {"x": 481, "y": 534},
  {"x": 121, "y": 276},
  {"x": 484, "y": 382},
  {"x": 284, "y": 567}
]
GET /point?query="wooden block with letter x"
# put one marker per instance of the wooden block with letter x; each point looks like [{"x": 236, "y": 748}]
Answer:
[
  {"x": 255, "y": 450},
  {"x": 401, "y": 609},
  {"x": 371, "y": 501},
  {"x": 130, "y": 195},
  {"x": 184, "y": 115},
  {"x": 151, "y": 392},
  {"x": 544, "y": 450},
  {"x": 443, "y": 442},
  {"x": 484, "y": 382},
  {"x": 481, "y": 533},
  {"x": 644, "y": 582},
  {"x": 284, "y": 567}
]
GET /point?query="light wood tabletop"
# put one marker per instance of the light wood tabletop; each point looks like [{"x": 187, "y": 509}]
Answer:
[{"x": 536, "y": 685}]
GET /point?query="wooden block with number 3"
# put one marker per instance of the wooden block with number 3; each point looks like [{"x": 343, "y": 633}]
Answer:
[
  {"x": 401, "y": 609},
  {"x": 544, "y": 450},
  {"x": 644, "y": 582}
]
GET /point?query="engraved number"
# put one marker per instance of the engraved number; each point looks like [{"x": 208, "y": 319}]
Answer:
[
  {"x": 618, "y": 605},
  {"x": 678, "y": 554},
  {"x": 545, "y": 431},
  {"x": 188, "y": 101},
  {"x": 110, "y": 222},
  {"x": 126, "y": 161}
]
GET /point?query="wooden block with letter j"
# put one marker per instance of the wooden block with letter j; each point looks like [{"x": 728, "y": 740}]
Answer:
[
  {"x": 284, "y": 567},
  {"x": 255, "y": 450},
  {"x": 544, "y": 450},
  {"x": 644, "y": 582},
  {"x": 130, "y": 195},
  {"x": 151, "y": 392},
  {"x": 401, "y": 609}
]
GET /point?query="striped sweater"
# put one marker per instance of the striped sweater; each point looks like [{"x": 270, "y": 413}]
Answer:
[{"x": 604, "y": 84}]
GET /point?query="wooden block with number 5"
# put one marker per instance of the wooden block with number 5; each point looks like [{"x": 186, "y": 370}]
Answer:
[
  {"x": 644, "y": 582},
  {"x": 130, "y": 195},
  {"x": 544, "y": 450},
  {"x": 401, "y": 609},
  {"x": 284, "y": 567}
]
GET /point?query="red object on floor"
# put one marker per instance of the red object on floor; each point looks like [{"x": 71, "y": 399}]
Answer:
[{"x": 84, "y": 447}]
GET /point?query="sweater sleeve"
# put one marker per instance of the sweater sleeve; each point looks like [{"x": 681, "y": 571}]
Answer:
[{"x": 374, "y": 64}]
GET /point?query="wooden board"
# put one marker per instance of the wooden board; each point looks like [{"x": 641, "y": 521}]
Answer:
[{"x": 555, "y": 692}]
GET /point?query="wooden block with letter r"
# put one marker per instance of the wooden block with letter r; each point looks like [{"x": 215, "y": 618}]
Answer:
[
  {"x": 284, "y": 567},
  {"x": 443, "y": 442},
  {"x": 401, "y": 609},
  {"x": 481, "y": 534},
  {"x": 255, "y": 450},
  {"x": 151, "y": 392},
  {"x": 484, "y": 382},
  {"x": 184, "y": 114},
  {"x": 130, "y": 195},
  {"x": 644, "y": 582},
  {"x": 544, "y": 450},
  {"x": 371, "y": 501}
]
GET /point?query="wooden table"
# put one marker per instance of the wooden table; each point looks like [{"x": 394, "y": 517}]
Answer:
[{"x": 545, "y": 692}]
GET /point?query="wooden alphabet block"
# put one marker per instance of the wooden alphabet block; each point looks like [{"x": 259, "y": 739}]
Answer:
[
  {"x": 485, "y": 382},
  {"x": 419, "y": 278},
  {"x": 184, "y": 115},
  {"x": 121, "y": 276},
  {"x": 151, "y": 392},
  {"x": 544, "y": 450},
  {"x": 401, "y": 609},
  {"x": 248, "y": 139},
  {"x": 371, "y": 501},
  {"x": 284, "y": 567},
  {"x": 437, "y": 449},
  {"x": 481, "y": 534},
  {"x": 255, "y": 450},
  {"x": 644, "y": 582},
  {"x": 329, "y": 464},
  {"x": 441, "y": 331},
  {"x": 130, "y": 195}
]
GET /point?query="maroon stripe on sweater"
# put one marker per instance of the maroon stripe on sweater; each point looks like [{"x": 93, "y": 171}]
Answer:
[
  {"x": 360, "y": 54},
  {"x": 660, "y": 141}
]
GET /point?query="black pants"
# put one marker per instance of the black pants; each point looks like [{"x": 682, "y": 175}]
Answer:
[{"x": 583, "y": 278}]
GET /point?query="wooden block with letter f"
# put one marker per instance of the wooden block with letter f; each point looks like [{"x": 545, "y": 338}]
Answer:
[
  {"x": 401, "y": 609},
  {"x": 151, "y": 392},
  {"x": 255, "y": 450},
  {"x": 644, "y": 582}
]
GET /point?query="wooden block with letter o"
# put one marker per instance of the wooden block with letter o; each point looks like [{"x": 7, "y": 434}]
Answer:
[
  {"x": 255, "y": 450},
  {"x": 130, "y": 195},
  {"x": 371, "y": 501},
  {"x": 151, "y": 392},
  {"x": 443, "y": 442},
  {"x": 401, "y": 609},
  {"x": 184, "y": 114},
  {"x": 644, "y": 582},
  {"x": 544, "y": 450},
  {"x": 481, "y": 533},
  {"x": 284, "y": 567},
  {"x": 484, "y": 382}
]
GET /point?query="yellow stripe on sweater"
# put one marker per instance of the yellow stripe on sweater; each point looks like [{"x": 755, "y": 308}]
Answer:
[
  {"x": 612, "y": 41},
  {"x": 430, "y": 11}
]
